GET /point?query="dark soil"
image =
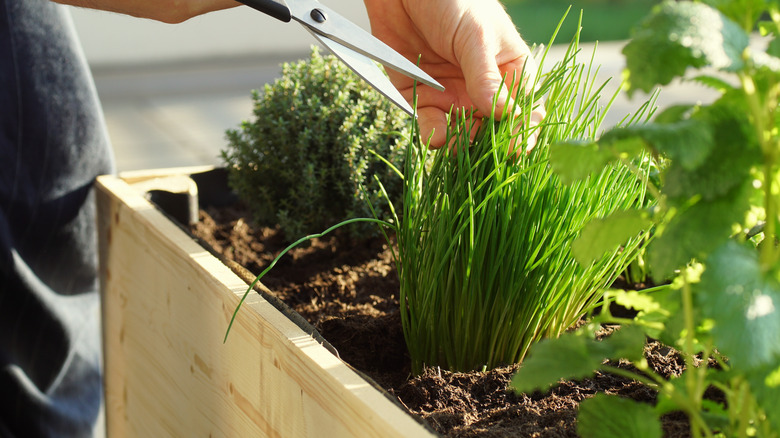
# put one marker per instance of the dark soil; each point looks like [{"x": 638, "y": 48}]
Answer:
[{"x": 349, "y": 292}]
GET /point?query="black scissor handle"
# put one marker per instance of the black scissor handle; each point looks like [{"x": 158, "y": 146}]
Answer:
[{"x": 277, "y": 10}]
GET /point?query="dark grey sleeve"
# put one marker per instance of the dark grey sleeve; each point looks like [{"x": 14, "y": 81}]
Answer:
[{"x": 53, "y": 143}]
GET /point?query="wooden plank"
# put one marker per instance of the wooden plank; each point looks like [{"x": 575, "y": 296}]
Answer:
[
  {"x": 136, "y": 176},
  {"x": 166, "y": 305}
]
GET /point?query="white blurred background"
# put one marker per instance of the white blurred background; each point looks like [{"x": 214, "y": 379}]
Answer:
[
  {"x": 112, "y": 39},
  {"x": 169, "y": 92}
]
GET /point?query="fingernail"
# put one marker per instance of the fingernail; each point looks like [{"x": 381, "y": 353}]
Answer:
[{"x": 531, "y": 142}]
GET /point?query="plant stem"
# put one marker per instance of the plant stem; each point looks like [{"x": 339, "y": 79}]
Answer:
[
  {"x": 286, "y": 250},
  {"x": 769, "y": 148},
  {"x": 768, "y": 254},
  {"x": 691, "y": 376},
  {"x": 686, "y": 403},
  {"x": 744, "y": 414},
  {"x": 652, "y": 381}
]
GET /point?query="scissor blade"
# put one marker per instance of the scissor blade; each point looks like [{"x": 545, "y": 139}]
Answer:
[
  {"x": 320, "y": 19},
  {"x": 366, "y": 69}
]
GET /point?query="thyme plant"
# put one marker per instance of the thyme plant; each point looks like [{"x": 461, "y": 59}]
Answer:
[
  {"x": 308, "y": 157},
  {"x": 716, "y": 238},
  {"x": 485, "y": 254}
]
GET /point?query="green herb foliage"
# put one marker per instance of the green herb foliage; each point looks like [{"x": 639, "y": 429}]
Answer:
[
  {"x": 715, "y": 236},
  {"x": 486, "y": 261},
  {"x": 307, "y": 160},
  {"x": 485, "y": 235}
]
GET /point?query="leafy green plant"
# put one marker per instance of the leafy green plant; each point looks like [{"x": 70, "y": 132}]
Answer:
[
  {"x": 716, "y": 222},
  {"x": 485, "y": 258},
  {"x": 307, "y": 159}
]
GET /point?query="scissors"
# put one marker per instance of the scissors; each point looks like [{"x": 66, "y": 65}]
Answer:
[{"x": 354, "y": 46}]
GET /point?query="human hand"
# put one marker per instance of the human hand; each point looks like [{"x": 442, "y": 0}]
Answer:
[
  {"x": 466, "y": 45},
  {"x": 168, "y": 11}
]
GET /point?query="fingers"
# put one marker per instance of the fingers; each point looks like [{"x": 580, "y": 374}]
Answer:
[
  {"x": 492, "y": 56},
  {"x": 477, "y": 58},
  {"x": 434, "y": 108},
  {"x": 472, "y": 50},
  {"x": 528, "y": 131},
  {"x": 433, "y": 126}
]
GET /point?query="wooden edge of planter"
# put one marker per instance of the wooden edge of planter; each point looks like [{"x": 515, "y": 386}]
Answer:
[
  {"x": 166, "y": 305},
  {"x": 136, "y": 176}
]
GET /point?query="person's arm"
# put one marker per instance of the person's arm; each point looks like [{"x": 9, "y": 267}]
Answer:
[
  {"x": 467, "y": 45},
  {"x": 168, "y": 11}
]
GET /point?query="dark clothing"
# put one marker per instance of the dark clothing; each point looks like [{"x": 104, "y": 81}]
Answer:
[{"x": 52, "y": 145}]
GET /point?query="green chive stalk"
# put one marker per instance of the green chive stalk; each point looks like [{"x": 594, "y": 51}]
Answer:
[{"x": 485, "y": 236}]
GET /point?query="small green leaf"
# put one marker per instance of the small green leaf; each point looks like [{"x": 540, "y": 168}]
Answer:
[
  {"x": 575, "y": 161},
  {"x": 675, "y": 113},
  {"x": 622, "y": 142},
  {"x": 731, "y": 153},
  {"x": 609, "y": 416},
  {"x": 694, "y": 232},
  {"x": 744, "y": 302},
  {"x": 638, "y": 300},
  {"x": 655, "y": 308},
  {"x": 575, "y": 356},
  {"x": 602, "y": 235},
  {"x": 687, "y": 142},
  {"x": 626, "y": 343},
  {"x": 549, "y": 361},
  {"x": 714, "y": 82},
  {"x": 679, "y": 35}
]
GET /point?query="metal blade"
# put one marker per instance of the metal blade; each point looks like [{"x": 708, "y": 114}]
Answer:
[
  {"x": 366, "y": 69},
  {"x": 322, "y": 20}
]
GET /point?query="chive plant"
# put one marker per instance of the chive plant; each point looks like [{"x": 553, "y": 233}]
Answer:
[{"x": 485, "y": 236}]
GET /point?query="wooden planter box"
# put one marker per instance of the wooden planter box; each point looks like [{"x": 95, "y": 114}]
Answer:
[{"x": 166, "y": 305}]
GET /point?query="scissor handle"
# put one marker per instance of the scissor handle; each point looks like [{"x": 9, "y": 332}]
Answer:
[{"x": 277, "y": 10}]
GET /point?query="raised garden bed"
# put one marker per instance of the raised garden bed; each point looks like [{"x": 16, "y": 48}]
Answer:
[
  {"x": 168, "y": 301},
  {"x": 166, "y": 304}
]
